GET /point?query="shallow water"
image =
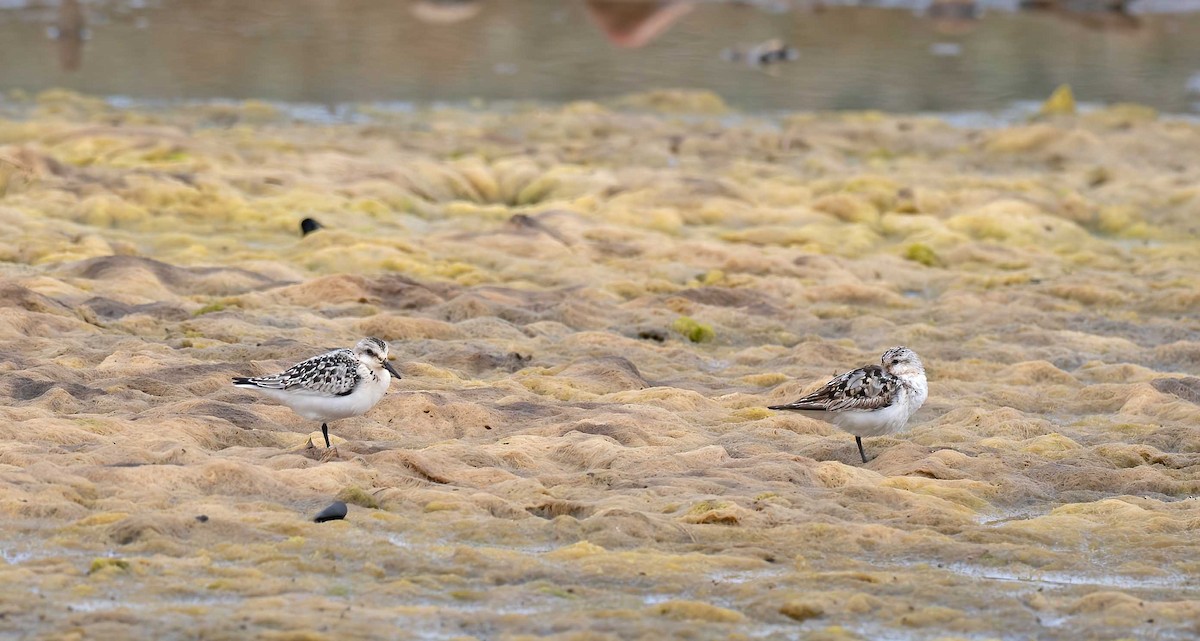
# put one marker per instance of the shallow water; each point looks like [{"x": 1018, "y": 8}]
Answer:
[
  {"x": 558, "y": 459},
  {"x": 913, "y": 56}
]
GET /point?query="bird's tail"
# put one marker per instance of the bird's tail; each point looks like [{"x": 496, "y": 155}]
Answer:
[{"x": 241, "y": 381}]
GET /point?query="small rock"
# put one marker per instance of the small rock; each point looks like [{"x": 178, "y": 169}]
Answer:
[
  {"x": 309, "y": 225},
  {"x": 203, "y": 518},
  {"x": 335, "y": 512}
]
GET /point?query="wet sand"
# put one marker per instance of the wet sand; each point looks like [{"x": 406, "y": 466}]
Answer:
[{"x": 561, "y": 459}]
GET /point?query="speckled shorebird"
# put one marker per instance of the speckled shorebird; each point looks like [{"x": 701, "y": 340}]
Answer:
[
  {"x": 872, "y": 400},
  {"x": 333, "y": 385}
]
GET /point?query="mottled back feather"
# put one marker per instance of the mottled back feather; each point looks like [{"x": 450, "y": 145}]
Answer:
[
  {"x": 330, "y": 374},
  {"x": 866, "y": 388}
]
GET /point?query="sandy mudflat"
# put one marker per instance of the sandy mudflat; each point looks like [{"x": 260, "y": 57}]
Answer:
[{"x": 560, "y": 459}]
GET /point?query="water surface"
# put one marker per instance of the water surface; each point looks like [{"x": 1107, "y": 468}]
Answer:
[{"x": 910, "y": 58}]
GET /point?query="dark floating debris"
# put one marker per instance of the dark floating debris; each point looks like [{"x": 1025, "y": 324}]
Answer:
[
  {"x": 335, "y": 512},
  {"x": 652, "y": 334},
  {"x": 309, "y": 225},
  {"x": 762, "y": 54}
]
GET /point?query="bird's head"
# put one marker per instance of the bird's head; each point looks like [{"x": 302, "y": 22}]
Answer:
[
  {"x": 901, "y": 361},
  {"x": 373, "y": 353}
]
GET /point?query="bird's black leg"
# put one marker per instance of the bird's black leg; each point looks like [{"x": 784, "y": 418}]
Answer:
[
  {"x": 857, "y": 439},
  {"x": 325, "y": 433}
]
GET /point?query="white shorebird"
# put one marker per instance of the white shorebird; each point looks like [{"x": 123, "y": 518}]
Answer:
[
  {"x": 871, "y": 400},
  {"x": 333, "y": 385}
]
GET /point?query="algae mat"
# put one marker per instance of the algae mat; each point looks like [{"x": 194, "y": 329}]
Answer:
[{"x": 591, "y": 304}]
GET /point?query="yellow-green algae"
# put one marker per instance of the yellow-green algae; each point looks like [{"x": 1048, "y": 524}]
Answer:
[
  {"x": 693, "y": 330},
  {"x": 1060, "y": 103},
  {"x": 357, "y": 496},
  {"x": 555, "y": 457}
]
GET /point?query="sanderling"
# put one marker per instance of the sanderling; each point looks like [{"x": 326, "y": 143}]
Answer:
[
  {"x": 333, "y": 385},
  {"x": 871, "y": 400}
]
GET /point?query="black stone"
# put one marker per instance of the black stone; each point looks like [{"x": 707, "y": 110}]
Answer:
[
  {"x": 309, "y": 225},
  {"x": 335, "y": 512},
  {"x": 203, "y": 518}
]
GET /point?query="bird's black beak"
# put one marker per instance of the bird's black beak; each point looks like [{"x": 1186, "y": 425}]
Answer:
[{"x": 388, "y": 366}]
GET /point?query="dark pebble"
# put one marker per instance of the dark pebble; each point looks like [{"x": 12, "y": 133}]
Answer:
[
  {"x": 203, "y": 518},
  {"x": 336, "y": 511},
  {"x": 308, "y": 226}
]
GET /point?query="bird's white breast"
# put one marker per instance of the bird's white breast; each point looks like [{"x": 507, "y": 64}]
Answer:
[
  {"x": 909, "y": 399},
  {"x": 871, "y": 422},
  {"x": 330, "y": 408}
]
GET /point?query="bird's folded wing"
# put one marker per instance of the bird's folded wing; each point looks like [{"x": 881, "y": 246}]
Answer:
[
  {"x": 863, "y": 389},
  {"x": 331, "y": 374}
]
